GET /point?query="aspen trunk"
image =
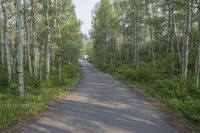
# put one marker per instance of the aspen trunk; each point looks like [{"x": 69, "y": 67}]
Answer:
[
  {"x": 59, "y": 65},
  {"x": 2, "y": 47},
  {"x": 5, "y": 35},
  {"x": 185, "y": 43},
  {"x": 47, "y": 54},
  {"x": 136, "y": 39},
  {"x": 197, "y": 69},
  {"x": 151, "y": 33},
  {"x": 27, "y": 38},
  {"x": 35, "y": 40},
  {"x": 171, "y": 35},
  {"x": 20, "y": 48}
]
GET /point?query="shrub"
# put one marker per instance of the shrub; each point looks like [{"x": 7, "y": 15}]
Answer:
[
  {"x": 191, "y": 108},
  {"x": 3, "y": 81}
]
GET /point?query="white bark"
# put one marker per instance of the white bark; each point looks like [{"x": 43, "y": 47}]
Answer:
[
  {"x": 185, "y": 43},
  {"x": 27, "y": 39},
  {"x": 136, "y": 45},
  {"x": 35, "y": 42},
  {"x": 47, "y": 54},
  {"x": 59, "y": 65},
  {"x": 2, "y": 46},
  {"x": 171, "y": 35},
  {"x": 41, "y": 64},
  {"x": 20, "y": 47},
  {"x": 197, "y": 69},
  {"x": 5, "y": 35},
  {"x": 151, "y": 49}
]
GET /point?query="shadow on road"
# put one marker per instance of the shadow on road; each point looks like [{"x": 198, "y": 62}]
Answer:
[{"x": 101, "y": 104}]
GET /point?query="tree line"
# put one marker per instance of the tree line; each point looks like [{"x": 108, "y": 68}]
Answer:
[
  {"x": 35, "y": 36},
  {"x": 132, "y": 31}
]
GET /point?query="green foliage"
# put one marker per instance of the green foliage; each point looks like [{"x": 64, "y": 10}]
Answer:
[
  {"x": 191, "y": 108},
  {"x": 3, "y": 81},
  {"x": 39, "y": 94}
]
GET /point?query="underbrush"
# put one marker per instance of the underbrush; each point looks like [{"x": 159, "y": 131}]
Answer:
[
  {"x": 38, "y": 95},
  {"x": 160, "y": 85}
]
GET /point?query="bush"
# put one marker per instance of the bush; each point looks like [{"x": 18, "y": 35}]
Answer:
[
  {"x": 169, "y": 88},
  {"x": 191, "y": 108},
  {"x": 144, "y": 75},
  {"x": 125, "y": 71},
  {"x": 175, "y": 103},
  {"x": 38, "y": 95},
  {"x": 3, "y": 81}
]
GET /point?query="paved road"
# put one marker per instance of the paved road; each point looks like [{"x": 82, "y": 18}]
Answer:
[{"x": 101, "y": 104}]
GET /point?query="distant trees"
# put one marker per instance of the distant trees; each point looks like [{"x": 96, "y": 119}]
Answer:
[
  {"x": 25, "y": 29},
  {"x": 152, "y": 29}
]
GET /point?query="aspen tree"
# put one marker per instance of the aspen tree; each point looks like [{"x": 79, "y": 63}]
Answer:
[
  {"x": 5, "y": 36},
  {"x": 185, "y": 51},
  {"x": 47, "y": 43},
  {"x": 20, "y": 47}
]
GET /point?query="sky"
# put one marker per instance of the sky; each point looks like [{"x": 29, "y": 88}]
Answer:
[{"x": 84, "y": 13}]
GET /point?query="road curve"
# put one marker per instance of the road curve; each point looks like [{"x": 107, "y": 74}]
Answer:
[{"x": 101, "y": 104}]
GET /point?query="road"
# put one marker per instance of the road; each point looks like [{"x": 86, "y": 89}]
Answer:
[{"x": 101, "y": 104}]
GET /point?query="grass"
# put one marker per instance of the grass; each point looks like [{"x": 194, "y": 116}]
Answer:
[
  {"x": 38, "y": 95},
  {"x": 158, "y": 83}
]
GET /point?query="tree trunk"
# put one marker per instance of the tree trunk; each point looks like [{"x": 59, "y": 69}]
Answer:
[
  {"x": 178, "y": 48},
  {"x": 136, "y": 39},
  {"x": 2, "y": 46},
  {"x": 5, "y": 35},
  {"x": 151, "y": 33},
  {"x": 171, "y": 35},
  {"x": 59, "y": 65},
  {"x": 47, "y": 55},
  {"x": 27, "y": 38},
  {"x": 190, "y": 45},
  {"x": 136, "y": 46},
  {"x": 185, "y": 43},
  {"x": 197, "y": 69},
  {"x": 20, "y": 47},
  {"x": 35, "y": 40}
]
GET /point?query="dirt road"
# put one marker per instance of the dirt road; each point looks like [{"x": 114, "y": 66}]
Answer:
[{"x": 101, "y": 104}]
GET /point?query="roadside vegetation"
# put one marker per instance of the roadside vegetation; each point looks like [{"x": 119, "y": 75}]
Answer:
[
  {"x": 153, "y": 45},
  {"x": 157, "y": 83},
  {"x": 39, "y": 95},
  {"x": 40, "y": 43}
]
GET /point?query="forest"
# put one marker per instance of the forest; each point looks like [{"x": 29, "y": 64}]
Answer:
[
  {"x": 154, "y": 46},
  {"x": 151, "y": 45},
  {"x": 40, "y": 42}
]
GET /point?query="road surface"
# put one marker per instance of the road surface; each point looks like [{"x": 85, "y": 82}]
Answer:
[{"x": 101, "y": 104}]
